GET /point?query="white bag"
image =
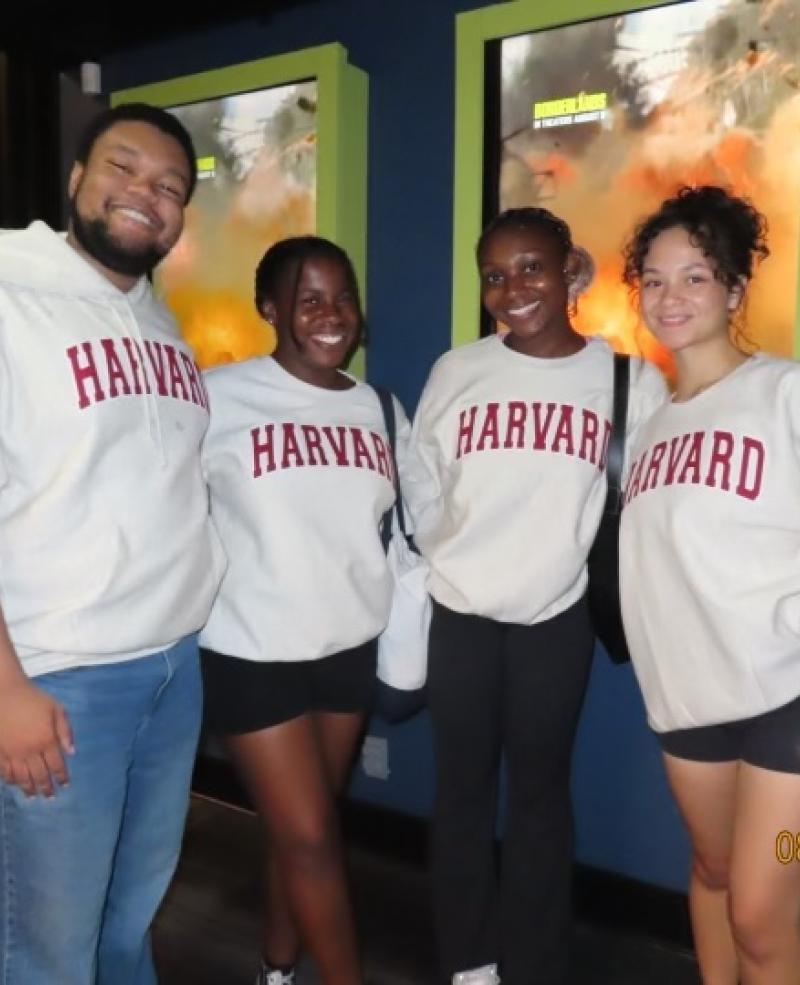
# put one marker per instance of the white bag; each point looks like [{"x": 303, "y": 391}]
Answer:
[{"x": 403, "y": 645}]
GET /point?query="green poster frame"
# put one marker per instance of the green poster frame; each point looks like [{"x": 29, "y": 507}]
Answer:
[
  {"x": 474, "y": 29},
  {"x": 341, "y": 200}
]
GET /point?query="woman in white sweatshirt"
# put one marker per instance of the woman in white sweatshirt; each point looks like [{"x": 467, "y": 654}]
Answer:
[
  {"x": 711, "y": 584},
  {"x": 300, "y": 473},
  {"x": 506, "y": 485}
]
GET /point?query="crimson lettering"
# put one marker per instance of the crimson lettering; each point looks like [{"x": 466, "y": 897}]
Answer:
[
  {"x": 466, "y": 427},
  {"x": 720, "y": 456},
  {"x": 289, "y": 446},
  {"x": 751, "y": 471},
  {"x": 115, "y": 368},
  {"x": 489, "y": 429},
  {"x": 86, "y": 372},
  {"x": 263, "y": 449},
  {"x": 551, "y": 427}
]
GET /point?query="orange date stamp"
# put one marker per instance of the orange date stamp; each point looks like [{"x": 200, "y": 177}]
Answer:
[{"x": 787, "y": 847}]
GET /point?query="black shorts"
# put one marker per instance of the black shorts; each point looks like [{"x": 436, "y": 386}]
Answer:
[
  {"x": 770, "y": 741},
  {"x": 250, "y": 695}
]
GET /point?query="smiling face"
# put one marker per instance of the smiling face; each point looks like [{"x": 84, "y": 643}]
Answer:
[
  {"x": 525, "y": 280},
  {"x": 320, "y": 325},
  {"x": 127, "y": 201},
  {"x": 683, "y": 303}
]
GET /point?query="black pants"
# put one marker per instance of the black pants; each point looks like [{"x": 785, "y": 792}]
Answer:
[{"x": 502, "y": 689}]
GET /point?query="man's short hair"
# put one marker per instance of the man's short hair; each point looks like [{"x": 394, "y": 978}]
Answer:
[{"x": 140, "y": 113}]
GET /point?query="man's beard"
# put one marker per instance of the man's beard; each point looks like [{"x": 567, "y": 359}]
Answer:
[{"x": 94, "y": 237}]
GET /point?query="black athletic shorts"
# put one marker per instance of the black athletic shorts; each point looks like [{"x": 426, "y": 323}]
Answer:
[
  {"x": 250, "y": 695},
  {"x": 771, "y": 740}
]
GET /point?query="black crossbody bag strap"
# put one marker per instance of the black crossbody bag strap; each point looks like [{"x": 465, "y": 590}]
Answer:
[
  {"x": 615, "y": 458},
  {"x": 387, "y": 406},
  {"x": 603, "y": 562}
]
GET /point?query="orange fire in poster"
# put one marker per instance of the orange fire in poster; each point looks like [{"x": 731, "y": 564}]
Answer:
[
  {"x": 260, "y": 189},
  {"x": 607, "y": 309},
  {"x": 730, "y": 117},
  {"x": 220, "y": 325},
  {"x": 765, "y": 170}
]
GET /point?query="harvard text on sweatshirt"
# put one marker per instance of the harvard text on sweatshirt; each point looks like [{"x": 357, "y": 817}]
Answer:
[
  {"x": 300, "y": 478},
  {"x": 505, "y": 478}
]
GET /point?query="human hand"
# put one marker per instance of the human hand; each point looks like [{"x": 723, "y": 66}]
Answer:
[{"x": 35, "y": 735}]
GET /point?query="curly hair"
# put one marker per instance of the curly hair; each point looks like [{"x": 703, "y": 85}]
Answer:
[
  {"x": 540, "y": 220},
  {"x": 727, "y": 229}
]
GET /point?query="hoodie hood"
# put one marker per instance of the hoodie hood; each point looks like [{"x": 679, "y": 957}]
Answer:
[{"x": 39, "y": 259}]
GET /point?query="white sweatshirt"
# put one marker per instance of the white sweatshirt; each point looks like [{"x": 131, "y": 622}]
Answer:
[
  {"x": 106, "y": 551},
  {"x": 710, "y": 550},
  {"x": 505, "y": 479},
  {"x": 300, "y": 477}
]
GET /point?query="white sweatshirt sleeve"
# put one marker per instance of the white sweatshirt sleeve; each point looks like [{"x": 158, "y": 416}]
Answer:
[
  {"x": 422, "y": 472},
  {"x": 401, "y": 454},
  {"x": 792, "y": 385},
  {"x": 5, "y": 412},
  {"x": 648, "y": 391}
]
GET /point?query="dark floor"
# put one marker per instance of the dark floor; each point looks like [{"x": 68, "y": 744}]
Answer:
[{"x": 207, "y": 931}]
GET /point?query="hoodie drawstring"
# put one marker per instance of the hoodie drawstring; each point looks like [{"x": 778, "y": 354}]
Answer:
[{"x": 150, "y": 403}]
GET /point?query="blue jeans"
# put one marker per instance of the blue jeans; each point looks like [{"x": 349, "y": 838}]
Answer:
[{"x": 83, "y": 873}]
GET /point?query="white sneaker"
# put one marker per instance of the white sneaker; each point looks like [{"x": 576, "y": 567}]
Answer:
[
  {"x": 271, "y": 976},
  {"x": 487, "y": 975}
]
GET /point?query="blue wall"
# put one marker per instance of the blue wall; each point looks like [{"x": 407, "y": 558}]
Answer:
[{"x": 626, "y": 821}]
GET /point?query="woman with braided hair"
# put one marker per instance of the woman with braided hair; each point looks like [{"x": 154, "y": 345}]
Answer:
[
  {"x": 506, "y": 485},
  {"x": 300, "y": 474}
]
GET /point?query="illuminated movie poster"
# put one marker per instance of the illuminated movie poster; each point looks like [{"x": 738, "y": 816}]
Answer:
[
  {"x": 257, "y": 184},
  {"x": 602, "y": 120}
]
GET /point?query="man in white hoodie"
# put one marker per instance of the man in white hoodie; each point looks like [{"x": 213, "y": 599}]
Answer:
[{"x": 108, "y": 565}]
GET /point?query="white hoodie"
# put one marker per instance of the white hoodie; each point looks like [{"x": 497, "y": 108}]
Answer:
[
  {"x": 505, "y": 477},
  {"x": 106, "y": 551},
  {"x": 300, "y": 478}
]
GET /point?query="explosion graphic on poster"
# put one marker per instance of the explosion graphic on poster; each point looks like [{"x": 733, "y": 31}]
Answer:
[
  {"x": 257, "y": 165},
  {"x": 603, "y": 120}
]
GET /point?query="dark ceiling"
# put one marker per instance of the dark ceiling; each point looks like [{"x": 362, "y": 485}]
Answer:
[{"x": 65, "y": 34}]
